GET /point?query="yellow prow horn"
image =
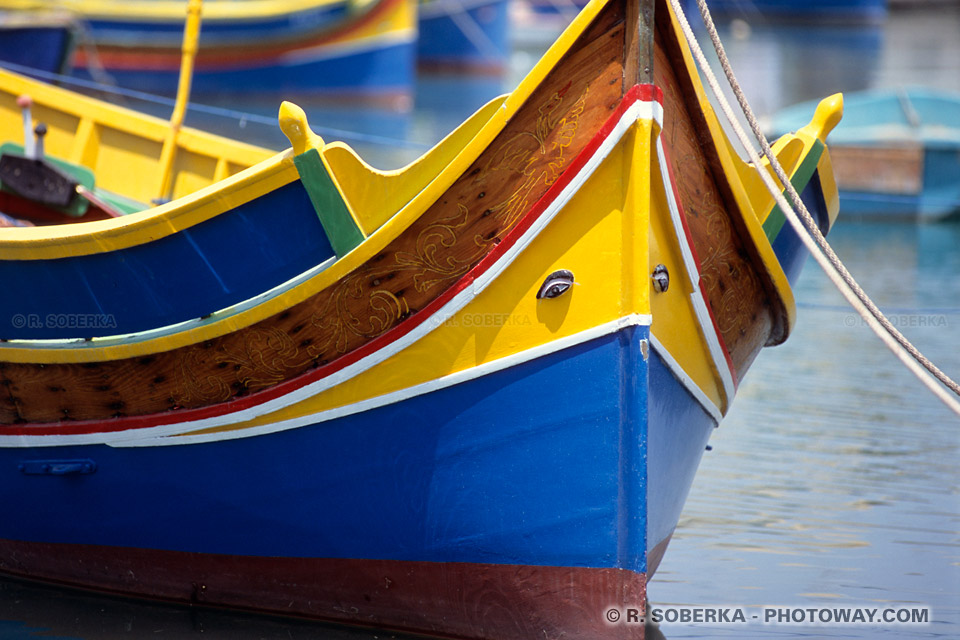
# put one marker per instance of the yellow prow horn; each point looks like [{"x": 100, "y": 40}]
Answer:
[{"x": 293, "y": 123}]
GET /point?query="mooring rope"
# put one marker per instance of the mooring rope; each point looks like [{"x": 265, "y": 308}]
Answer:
[{"x": 803, "y": 222}]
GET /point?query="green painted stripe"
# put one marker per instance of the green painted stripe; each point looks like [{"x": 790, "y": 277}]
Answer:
[
  {"x": 342, "y": 230},
  {"x": 774, "y": 221},
  {"x": 121, "y": 203}
]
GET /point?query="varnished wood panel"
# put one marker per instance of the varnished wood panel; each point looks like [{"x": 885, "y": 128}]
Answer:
[
  {"x": 894, "y": 170},
  {"x": 452, "y": 236},
  {"x": 737, "y": 292}
]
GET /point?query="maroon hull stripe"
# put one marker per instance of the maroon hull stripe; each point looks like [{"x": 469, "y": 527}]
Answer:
[{"x": 457, "y": 600}]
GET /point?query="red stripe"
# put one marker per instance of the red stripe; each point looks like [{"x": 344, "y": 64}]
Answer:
[
  {"x": 696, "y": 259},
  {"x": 118, "y": 57},
  {"x": 639, "y": 93}
]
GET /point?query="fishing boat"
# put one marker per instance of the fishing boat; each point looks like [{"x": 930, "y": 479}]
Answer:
[
  {"x": 467, "y": 35},
  {"x": 38, "y": 39},
  {"x": 338, "y": 47},
  {"x": 897, "y": 154},
  {"x": 465, "y": 398},
  {"x": 814, "y": 11}
]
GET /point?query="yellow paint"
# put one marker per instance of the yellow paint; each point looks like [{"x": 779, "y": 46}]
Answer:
[
  {"x": 675, "y": 322},
  {"x": 729, "y": 162},
  {"x": 827, "y": 116},
  {"x": 590, "y": 237},
  {"x": 791, "y": 150},
  {"x": 93, "y": 237},
  {"x": 165, "y": 10},
  {"x": 293, "y": 123},
  {"x": 375, "y": 195},
  {"x": 123, "y": 149},
  {"x": 191, "y": 39},
  {"x": 610, "y": 235},
  {"x": 828, "y": 184}
]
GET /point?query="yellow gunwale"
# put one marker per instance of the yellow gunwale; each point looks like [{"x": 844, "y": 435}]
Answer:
[
  {"x": 173, "y": 10},
  {"x": 160, "y": 220},
  {"x": 728, "y": 161}
]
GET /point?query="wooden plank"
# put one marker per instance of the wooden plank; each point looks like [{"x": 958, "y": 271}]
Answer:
[{"x": 890, "y": 170}]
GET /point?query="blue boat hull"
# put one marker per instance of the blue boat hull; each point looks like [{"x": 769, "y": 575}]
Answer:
[
  {"x": 547, "y": 464},
  {"x": 42, "y": 47},
  {"x": 379, "y": 70},
  {"x": 870, "y": 11},
  {"x": 454, "y": 34},
  {"x": 185, "y": 276}
]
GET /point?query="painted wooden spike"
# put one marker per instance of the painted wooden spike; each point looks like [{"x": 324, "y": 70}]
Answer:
[{"x": 334, "y": 212}]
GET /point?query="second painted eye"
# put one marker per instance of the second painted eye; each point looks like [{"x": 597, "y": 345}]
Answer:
[{"x": 556, "y": 284}]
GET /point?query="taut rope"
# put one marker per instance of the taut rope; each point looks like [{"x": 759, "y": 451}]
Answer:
[{"x": 801, "y": 220}]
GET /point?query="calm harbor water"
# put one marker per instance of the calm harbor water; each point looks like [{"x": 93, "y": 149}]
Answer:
[{"x": 833, "y": 482}]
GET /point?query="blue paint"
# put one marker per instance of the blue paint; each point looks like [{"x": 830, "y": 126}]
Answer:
[
  {"x": 900, "y": 118},
  {"x": 210, "y": 266},
  {"x": 941, "y": 180},
  {"x": 824, "y": 10},
  {"x": 541, "y": 464},
  {"x": 220, "y": 32},
  {"x": 441, "y": 41},
  {"x": 679, "y": 430},
  {"x": 787, "y": 246},
  {"x": 384, "y": 69},
  {"x": 57, "y": 467},
  {"x": 632, "y": 522},
  {"x": 38, "y": 47}
]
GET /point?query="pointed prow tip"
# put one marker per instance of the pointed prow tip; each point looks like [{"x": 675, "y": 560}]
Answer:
[
  {"x": 827, "y": 116},
  {"x": 293, "y": 123}
]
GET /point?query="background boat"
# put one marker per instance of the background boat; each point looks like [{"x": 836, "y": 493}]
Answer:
[
  {"x": 897, "y": 153},
  {"x": 39, "y": 39},
  {"x": 818, "y": 11},
  {"x": 471, "y": 35},
  {"x": 345, "y": 48}
]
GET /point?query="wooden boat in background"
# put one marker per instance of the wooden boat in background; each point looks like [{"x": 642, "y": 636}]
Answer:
[
  {"x": 463, "y": 34},
  {"x": 339, "y": 47},
  {"x": 38, "y": 39},
  {"x": 465, "y": 398},
  {"x": 897, "y": 154}
]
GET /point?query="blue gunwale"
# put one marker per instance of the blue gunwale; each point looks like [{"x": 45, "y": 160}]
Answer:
[{"x": 211, "y": 266}]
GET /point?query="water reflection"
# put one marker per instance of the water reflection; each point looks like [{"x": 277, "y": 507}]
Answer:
[
  {"x": 33, "y": 610},
  {"x": 833, "y": 481}
]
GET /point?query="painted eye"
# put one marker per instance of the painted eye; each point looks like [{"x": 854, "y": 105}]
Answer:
[
  {"x": 661, "y": 278},
  {"x": 556, "y": 284}
]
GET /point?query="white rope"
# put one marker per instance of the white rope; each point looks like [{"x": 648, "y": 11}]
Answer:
[{"x": 807, "y": 229}]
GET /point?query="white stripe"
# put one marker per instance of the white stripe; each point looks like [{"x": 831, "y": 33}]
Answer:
[
  {"x": 163, "y": 435},
  {"x": 686, "y": 380},
  {"x": 636, "y": 111},
  {"x": 506, "y": 362},
  {"x": 707, "y": 328}
]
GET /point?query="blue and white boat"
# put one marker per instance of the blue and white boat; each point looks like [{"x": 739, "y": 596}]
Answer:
[{"x": 896, "y": 154}]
